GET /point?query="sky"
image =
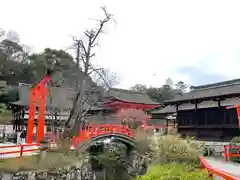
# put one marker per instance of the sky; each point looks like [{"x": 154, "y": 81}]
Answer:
[{"x": 195, "y": 41}]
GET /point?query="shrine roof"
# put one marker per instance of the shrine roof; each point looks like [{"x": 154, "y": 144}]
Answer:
[
  {"x": 218, "y": 89},
  {"x": 166, "y": 110},
  {"x": 58, "y": 97},
  {"x": 129, "y": 96}
]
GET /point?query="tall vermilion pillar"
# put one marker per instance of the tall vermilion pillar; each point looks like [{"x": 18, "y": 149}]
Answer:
[
  {"x": 238, "y": 114},
  {"x": 41, "y": 113},
  {"x": 32, "y": 107}
]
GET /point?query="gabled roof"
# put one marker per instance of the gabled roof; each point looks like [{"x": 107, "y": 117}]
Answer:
[
  {"x": 129, "y": 96},
  {"x": 210, "y": 90},
  {"x": 57, "y": 98}
]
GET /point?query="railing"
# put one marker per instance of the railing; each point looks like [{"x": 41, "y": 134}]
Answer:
[
  {"x": 94, "y": 131},
  {"x": 214, "y": 171},
  {"x": 227, "y": 154},
  {"x": 13, "y": 151}
]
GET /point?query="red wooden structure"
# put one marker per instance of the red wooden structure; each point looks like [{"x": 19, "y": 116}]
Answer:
[
  {"x": 38, "y": 94},
  {"x": 21, "y": 149},
  {"x": 119, "y": 104},
  {"x": 227, "y": 154},
  {"x": 215, "y": 171},
  {"x": 97, "y": 130}
]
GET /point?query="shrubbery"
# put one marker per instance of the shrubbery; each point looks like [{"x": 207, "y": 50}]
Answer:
[
  {"x": 172, "y": 157},
  {"x": 171, "y": 148},
  {"x": 174, "y": 172}
]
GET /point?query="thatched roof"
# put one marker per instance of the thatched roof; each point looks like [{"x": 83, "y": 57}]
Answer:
[
  {"x": 57, "y": 98},
  {"x": 129, "y": 96}
]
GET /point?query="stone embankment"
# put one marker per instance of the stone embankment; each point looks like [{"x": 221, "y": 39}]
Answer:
[{"x": 75, "y": 172}]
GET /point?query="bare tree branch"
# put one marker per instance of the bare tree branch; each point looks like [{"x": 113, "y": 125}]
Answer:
[{"x": 84, "y": 56}]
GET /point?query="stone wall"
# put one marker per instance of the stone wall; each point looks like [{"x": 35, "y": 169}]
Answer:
[{"x": 75, "y": 172}]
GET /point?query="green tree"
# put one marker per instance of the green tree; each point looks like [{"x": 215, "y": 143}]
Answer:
[
  {"x": 155, "y": 94},
  {"x": 58, "y": 60},
  {"x": 181, "y": 88},
  {"x": 139, "y": 88},
  {"x": 12, "y": 56}
]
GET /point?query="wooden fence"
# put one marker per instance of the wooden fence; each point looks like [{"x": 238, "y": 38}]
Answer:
[
  {"x": 227, "y": 154},
  {"x": 13, "y": 151}
]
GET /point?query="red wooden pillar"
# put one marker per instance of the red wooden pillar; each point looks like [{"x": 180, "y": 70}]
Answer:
[
  {"x": 41, "y": 112},
  {"x": 238, "y": 114},
  {"x": 32, "y": 106}
]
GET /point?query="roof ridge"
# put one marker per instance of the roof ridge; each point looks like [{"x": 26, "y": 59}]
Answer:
[
  {"x": 129, "y": 91},
  {"x": 216, "y": 85}
]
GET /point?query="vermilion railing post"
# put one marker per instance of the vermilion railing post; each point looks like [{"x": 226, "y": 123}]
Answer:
[
  {"x": 21, "y": 150},
  {"x": 225, "y": 153}
]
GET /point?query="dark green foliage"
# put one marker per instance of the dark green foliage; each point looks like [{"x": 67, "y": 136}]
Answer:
[
  {"x": 115, "y": 162},
  {"x": 165, "y": 92},
  {"x": 174, "y": 172},
  {"x": 10, "y": 96}
]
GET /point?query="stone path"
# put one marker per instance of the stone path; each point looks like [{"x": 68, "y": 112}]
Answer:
[{"x": 228, "y": 167}]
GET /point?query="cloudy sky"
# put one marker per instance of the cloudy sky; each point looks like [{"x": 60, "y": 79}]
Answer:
[{"x": 195, "y": 41}]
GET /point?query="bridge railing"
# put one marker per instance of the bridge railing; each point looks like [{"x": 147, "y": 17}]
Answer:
[
  {"x": 97, "y": 130},
  {"x": 228, "y": 154},
  {"x": 13, "y": 151},
  {"x": 217, "y": 172}
]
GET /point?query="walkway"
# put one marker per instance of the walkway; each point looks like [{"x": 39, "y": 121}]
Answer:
[{"x": 230, "y": 168}]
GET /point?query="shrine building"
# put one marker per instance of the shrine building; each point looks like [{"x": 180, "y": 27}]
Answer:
[
  {"x": 117, "y": 99},
  {"x": 203, "y": 112}
]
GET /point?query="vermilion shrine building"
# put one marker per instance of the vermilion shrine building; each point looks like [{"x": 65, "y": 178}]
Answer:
[{"x": 117, "y": 99}]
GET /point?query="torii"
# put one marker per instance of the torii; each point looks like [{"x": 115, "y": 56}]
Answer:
[{"x": 38, "y": 93}]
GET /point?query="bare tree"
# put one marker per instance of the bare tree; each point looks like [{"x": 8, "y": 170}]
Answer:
[{"x": 88, "y": 93}]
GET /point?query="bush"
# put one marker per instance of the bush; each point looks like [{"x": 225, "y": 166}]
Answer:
[
  {"x": 171, "y": 148},
  {"x": 174, "y": 172},
  {"x": 234, "y": 142}
]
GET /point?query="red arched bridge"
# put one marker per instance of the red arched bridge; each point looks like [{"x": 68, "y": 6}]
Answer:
[{"x": 92, "y": 134}]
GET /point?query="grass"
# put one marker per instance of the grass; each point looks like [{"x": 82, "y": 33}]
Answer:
[
  {"x": 174, "y": 171},
  {"x": 52, "y": 160}
]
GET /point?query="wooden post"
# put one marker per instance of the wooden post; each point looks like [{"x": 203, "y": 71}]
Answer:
[
  {"x": 21, "y": 150},
  {"x": 225, "y": 153}
]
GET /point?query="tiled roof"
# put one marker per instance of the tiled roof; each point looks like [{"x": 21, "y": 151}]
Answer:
[
  {"x": 210, "y": 90},
  {"x": 130, "y": 96}
]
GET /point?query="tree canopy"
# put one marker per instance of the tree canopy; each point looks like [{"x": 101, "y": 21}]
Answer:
[{"x": 164, "y": 92}]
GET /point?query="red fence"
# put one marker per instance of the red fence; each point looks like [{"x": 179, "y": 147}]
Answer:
[
  {"x": 211, "y": 170},
  {"x": 13, "y": 151},
  {"x": 227, "y": 154}
]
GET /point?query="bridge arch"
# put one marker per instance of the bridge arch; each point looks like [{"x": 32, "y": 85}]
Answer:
[{"x": 127, "y": 140}]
